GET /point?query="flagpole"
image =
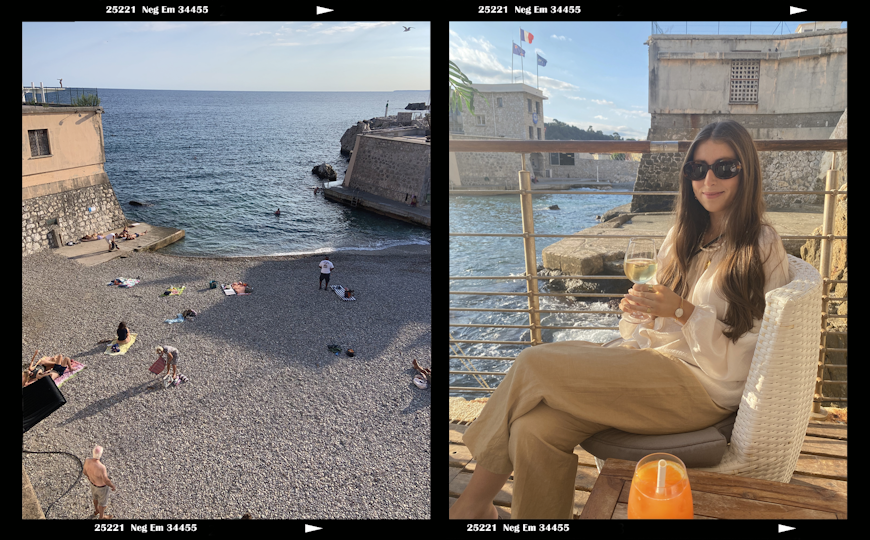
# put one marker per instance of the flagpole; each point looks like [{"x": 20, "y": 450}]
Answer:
[{"x": 512, "y": 61}]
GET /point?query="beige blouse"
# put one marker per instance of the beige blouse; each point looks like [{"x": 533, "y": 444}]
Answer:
[{"x": 721, "y": 365}]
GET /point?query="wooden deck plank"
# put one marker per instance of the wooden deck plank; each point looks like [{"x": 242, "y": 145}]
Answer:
[{"x": 821, "y": 464}]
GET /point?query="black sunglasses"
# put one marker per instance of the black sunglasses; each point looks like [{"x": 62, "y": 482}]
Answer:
[{"x": 722, "y": 169}]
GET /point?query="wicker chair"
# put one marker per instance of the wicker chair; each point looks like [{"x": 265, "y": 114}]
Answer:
[{"x": 772, "y": 418}]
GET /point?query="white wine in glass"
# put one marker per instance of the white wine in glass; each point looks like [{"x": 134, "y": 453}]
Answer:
[{"x": 640, "y": 267}]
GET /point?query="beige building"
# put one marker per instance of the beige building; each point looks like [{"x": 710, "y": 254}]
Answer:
[
  {"x": 515, "y": 111},
  {"x": 66, "y": 192}
]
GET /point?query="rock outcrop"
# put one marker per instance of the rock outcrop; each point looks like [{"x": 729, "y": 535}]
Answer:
[
  {"x": 349, "y": 137},
  {"x": 325, "y": 172}
]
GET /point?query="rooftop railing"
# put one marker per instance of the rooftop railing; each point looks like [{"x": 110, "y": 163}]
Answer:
[
  {"x": 57, "y": 96},
  {"x": 528, "y": 235}
]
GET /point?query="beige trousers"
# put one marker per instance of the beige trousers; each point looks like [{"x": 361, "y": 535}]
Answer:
[{"x": 557, "y": 395}]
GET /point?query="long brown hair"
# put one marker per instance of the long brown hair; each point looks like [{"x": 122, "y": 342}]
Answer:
[{"x": 741, "y": 282}]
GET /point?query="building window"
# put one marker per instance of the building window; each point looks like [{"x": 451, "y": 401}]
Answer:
[
  {"x": 562, "y": 159},
  {"x": 530, "y": 104},
  {"x": 531, "y": 134},
  {"x": 538, "y": 107},
  {"x": 481, "y": 120},
  {"x": 500, "y": 104},
  {"x": 744, "y": 81},
  {"x": 39, "y": 142},
  {"x": 539, "y": 134}
]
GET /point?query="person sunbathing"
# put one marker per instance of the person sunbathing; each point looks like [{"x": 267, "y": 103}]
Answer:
[
  {"x": 123, "y": 334},
  {"x": 53, "y": 366},
  {"x": 91, "y": 237}
]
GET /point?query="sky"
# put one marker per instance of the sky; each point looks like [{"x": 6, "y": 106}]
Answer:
[
  {"x": 269, "y": 56},
  {"x": 597, "y": 73}
]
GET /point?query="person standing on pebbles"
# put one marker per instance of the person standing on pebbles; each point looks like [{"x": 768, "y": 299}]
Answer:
[
  {"x": 325, "y": 268},
  {"x": 171, "y": 358},
  {"x": 100, "y": 483}
]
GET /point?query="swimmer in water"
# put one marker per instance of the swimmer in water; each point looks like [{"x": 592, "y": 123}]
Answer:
[{"x": 278, "y": 212}]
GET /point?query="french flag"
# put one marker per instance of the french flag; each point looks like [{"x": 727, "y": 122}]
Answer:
[{"x": 526, "y": 36}]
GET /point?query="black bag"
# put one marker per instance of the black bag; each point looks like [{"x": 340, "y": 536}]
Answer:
[{"x": 40, "y": 399}]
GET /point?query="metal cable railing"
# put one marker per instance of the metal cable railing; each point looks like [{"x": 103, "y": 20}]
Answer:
[{"x": 528, "y": 235}]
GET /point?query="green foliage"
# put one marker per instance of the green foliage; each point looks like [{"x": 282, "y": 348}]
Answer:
[
  {"x": 560, "y": 131},
  {"x": 461, "y": 92},
  {"x": 89, "y": 100}
]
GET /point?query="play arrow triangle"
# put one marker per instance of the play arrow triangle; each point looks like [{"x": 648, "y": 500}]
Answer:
[
  {"x": 309, "y": 528},
  {"x": 321, "y": 10},
  {"x": 792, "y": 10},
  {"x": 783, "y": 528}
]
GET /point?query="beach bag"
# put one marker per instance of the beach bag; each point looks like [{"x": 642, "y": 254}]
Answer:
[
  {"x": 167, "y": 380},
  {"x": 212, "y": 284},
  {"x": 348, "y": 293},
  {"x": 158, "y": 366}
]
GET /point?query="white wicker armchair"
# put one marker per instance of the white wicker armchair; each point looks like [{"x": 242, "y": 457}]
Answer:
[{"x": 777, "y": 400}]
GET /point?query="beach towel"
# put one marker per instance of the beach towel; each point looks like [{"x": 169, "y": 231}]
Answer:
[
  {"x": 123, "y": 282},
  {"x": 179, "y": 318},
  {"x": 122, "y": 346},
  {"x": 237, "y": 288},
  {"x": 240, "y": 288},
  {"x": 173, "y": 291},
  {"x": 67, "y": 374},
  {"x": 339, "y": 290}
]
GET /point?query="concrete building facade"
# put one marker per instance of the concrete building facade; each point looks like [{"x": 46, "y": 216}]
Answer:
[
  {"x": 778, "y": 87},
  {"x": 66, "y": 192},
  {"x": 516, "y": 111}
]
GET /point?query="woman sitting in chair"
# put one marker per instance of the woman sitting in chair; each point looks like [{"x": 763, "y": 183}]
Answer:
[{"x": 681, "y": 371}]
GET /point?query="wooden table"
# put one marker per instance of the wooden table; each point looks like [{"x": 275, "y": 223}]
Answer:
[{"x": 719, "y": 496}]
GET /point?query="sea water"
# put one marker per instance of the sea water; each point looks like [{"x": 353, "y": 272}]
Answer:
[
  {"x": 496, "y": 256},
  {"x": 218, "y": 165}
]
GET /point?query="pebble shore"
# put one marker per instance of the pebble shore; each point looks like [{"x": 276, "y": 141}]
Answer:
[{"x": 271, "y": 423}]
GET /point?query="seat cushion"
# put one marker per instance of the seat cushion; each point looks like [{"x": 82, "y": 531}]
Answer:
[{"x": 702, "y": 448}]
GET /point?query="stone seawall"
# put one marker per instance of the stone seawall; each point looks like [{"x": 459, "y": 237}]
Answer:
[
  {"x": 70, "y": 209},
  {"x": 396, "y": 169}
]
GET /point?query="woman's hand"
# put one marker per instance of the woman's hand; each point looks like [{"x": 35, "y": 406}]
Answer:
[{"x": 653, "y": 300}]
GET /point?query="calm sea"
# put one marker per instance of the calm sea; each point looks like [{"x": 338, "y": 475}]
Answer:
[
  {"x": 218, "y": 165},
  {"x": 493, "y": 256}
]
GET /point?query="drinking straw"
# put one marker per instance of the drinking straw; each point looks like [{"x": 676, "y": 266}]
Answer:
[{"x": 660, "y": 481}]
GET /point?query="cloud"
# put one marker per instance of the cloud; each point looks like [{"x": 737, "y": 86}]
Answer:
[
  {"x": 561, "y": 38},
  {"x": 356, "y": 26},
  {"x": 575, "y": 97},
  {"x": 601, "y": 117},
  {"x": 601, "y": 102},
  {"x": 156, "y": 26},
  {"x": 636, "y": 114}
]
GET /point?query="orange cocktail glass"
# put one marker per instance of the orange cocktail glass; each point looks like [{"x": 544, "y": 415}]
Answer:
[{"x": 647, "y": 501}]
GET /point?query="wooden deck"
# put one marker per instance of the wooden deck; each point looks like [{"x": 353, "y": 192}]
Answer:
[{"x": 822, "y": 463}]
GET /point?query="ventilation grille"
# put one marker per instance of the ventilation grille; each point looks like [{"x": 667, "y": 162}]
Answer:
[{"x": 744, "y": 81}]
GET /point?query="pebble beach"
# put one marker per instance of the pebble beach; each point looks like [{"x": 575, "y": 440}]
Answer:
[{"x": 270, "y": 422}]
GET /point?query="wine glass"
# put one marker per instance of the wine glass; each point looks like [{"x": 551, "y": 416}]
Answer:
[
  {"x": 640, "y": 267},
  {"x": 660, "y": 495}
]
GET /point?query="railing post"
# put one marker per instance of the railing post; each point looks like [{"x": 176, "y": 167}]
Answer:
[
  {"x": 832, "y": 182},
  {"x": 531, "y": 254}
]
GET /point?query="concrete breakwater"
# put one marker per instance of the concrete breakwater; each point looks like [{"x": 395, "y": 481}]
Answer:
[{"x": 604, "y": 256}]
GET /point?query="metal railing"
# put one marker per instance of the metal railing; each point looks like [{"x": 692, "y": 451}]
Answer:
[
  {"x": 528, "y": 235},
  {"x": 58, "y": 96}
]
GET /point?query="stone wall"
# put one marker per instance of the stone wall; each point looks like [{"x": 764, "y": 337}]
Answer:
[
  {"x": 395, "y": 169},
  {"x": 780, "y": 171},
  {"x": 74, "y": 220}
]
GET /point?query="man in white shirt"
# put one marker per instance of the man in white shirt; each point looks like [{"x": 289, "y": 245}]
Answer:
[
  {"x": 110, "y": 238},
  {"x": 325, "y": 268}
]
